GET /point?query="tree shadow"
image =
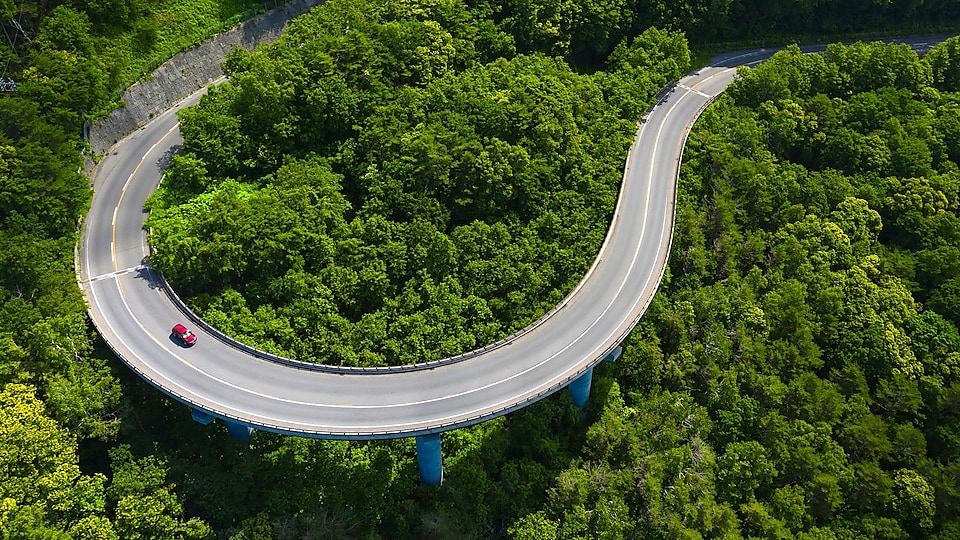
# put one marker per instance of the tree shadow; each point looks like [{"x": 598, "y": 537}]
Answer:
[
  {"x": 148, "y": 274},
  {"x": 164, "y": 162}
]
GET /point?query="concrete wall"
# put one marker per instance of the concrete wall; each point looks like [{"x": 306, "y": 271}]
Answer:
[{"x": 187, "y": 72}]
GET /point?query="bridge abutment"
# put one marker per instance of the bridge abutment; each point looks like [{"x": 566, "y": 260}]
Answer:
[{"x": 430, "y": 459}]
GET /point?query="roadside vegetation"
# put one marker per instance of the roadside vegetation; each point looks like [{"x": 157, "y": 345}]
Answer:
[
  {"x": 797, "y": 374},
  {"x": 398, "y": 181},
  {"x": 399, "y": 192}
]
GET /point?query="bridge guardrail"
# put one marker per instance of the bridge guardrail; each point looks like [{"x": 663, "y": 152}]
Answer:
[
  {"x": 253, "y": 351},
  {"x": 300, "y": 364},
  {"x": 341, "y": 434}
]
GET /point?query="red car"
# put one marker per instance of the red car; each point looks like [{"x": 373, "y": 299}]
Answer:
[{"x": 185, "y": 336}]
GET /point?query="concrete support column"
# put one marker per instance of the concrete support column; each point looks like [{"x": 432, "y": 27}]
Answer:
[
  {"x": 429, "y": 459},
  {"x": 201, "y": 417},
  {"x": 580, "y": 388},
  {"x": 239, "y": 430}
]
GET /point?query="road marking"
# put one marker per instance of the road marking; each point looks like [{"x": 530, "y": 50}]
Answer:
[
  {"x": 123, "y": 191},
  {"x": 685, "y": 87},
  {"x": 494, "y": 406},
  {"x": 432, "y": 422},
  {"x": 717, "y": 74},
  {"x": 116, "y": 273}
]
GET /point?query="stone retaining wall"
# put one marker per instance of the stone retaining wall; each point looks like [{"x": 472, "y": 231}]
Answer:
[{"x": 187, "y": 72}]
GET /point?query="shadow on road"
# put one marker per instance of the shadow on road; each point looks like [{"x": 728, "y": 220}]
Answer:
[
  {"x": 164, "y": 162},
  {"x": 149, "y": 275}
]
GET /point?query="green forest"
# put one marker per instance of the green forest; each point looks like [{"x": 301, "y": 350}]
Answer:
[
  {"x": 398, "y": 181},
  {"x": 420, "y": 197}
]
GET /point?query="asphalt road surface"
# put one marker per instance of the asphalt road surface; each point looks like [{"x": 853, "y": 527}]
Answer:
[{"x": 132, "y": 311}]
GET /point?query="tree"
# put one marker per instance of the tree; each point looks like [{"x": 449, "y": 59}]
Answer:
[
  {"x": 145, "y": 506},
  {"x": 744, "y": 472},
  {"x": 65, "y": 75},
  {"x": 913, "y": 500},
  {"x": 944, "y": 61},
  {"x": 41, "y": 485},
  {"x": 536, "y": 526}
]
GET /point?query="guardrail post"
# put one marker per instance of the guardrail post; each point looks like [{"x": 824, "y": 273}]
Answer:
[
  {"x": 239, "y": 430},
  {"x": 580, "y": 388},
  {"x": 429, "y": 459}
]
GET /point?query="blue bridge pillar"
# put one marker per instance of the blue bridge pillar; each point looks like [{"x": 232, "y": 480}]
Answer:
[
  {"x": 580, "y": 387},
  {"x": 239, "y": 430},
  {"x": 201, "y": 417},
  {"x": 429, "y": 459}
]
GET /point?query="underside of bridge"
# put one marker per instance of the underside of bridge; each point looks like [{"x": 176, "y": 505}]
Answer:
[{"x": 429, "y": 454}]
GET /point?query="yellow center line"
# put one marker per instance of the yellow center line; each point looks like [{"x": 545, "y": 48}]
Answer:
[{"x": 113, "y": 231}]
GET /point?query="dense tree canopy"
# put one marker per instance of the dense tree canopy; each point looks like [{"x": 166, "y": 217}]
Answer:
[
  {"x": 795, "y": 377},
  {"x": 367, "y": 209},
  {"x": 415, "y": 178},
  {"x": 56, "y": 386},
  {"x": 796, "y": 374}
]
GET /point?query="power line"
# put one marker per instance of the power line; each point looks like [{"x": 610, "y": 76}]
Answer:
[
  {"x": 19, "y": 28},
  {"x": 7, "y": 84}
]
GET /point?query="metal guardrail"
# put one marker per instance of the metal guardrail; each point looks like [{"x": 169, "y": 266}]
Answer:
[
  {"x": 609, "y": 347},
  {"x": 665, "y": 254},
  {"x": 311, "y": 366},
  {"x": 645, "y": 301},
  {"x": 643, "y": 304},
  {"x": 356, "y": 435}
]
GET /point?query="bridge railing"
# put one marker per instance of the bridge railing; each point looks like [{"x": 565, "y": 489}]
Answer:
[
  {"x": 559, "y": 385},
  {"x": 644, "y": 303},
  {"x": 300, "y": 364}
]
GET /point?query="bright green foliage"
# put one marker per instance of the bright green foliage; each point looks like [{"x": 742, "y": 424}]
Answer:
[
  {"x": 815, "y": 232},
  {"x": 42, "y": 491},
  {"x": 639, "y": 68},
  {"x": 353, "y": 201},
  {"x": 145, "y": 506},
  {"x": 913, "y": 500},
  {"x": 65, "y": 74},
  {"x": 944, "y": 60},
  {"x": 55, "y": 52},
  {"x": 403, "y": 180},
  {"x": 824, "y": 336},
  {"x": 536, "y": 526},
  {"x": 44, "y": 335}
]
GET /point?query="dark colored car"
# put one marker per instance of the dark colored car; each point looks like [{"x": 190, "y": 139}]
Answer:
[{"x": 185, "y": 336}]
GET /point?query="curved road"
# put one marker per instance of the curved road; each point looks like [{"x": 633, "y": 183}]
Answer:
[{"x": 134, "y": 313}]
